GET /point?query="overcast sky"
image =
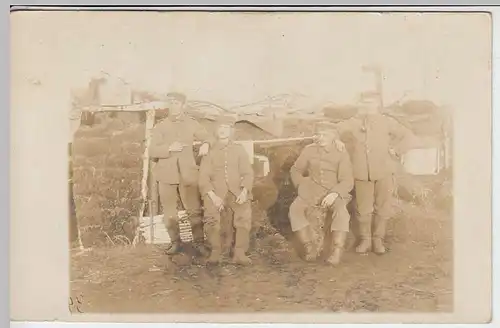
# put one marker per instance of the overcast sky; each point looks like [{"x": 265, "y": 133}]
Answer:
[{"x": 233, "y": 58}]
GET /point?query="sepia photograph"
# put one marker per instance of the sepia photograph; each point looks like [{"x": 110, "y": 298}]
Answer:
[
  {"x": 287, "y": 203},
  {"x": 271, "y": 162}
]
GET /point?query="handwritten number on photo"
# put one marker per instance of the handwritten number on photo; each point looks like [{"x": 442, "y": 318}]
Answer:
[{"x": 75, "y": 304}]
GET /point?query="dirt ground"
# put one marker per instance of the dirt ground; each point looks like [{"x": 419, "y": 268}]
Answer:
[{"x": 414, "y": 276}]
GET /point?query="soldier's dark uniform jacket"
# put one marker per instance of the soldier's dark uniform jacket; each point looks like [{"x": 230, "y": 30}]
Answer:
[
  {"x": 177, "y": 167},
  {"x": 373, "y": 137},
  {"x": 317, "y": 172},
  {"x": 225, "y": 171},
  {"x": 328, "y": 170}
]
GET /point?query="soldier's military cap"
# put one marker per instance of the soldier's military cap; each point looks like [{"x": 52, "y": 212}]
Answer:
[{"x": 325, "y": 127}]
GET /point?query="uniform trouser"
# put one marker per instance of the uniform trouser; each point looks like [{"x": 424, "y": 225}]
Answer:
[
  {"x": 234, "y": 217},
  {"x": 241, "y": 213},
  {"x": 340, "y": 215},
  {"x": 190, "y": 198},
  {"x": 373, "y": 206}
]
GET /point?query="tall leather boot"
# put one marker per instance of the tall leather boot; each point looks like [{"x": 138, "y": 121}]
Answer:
[
  {"x": 175, "y": 237},
  {"x": 339, "y": 238},
  {"x": 379, "y": 229},
  {"x": 213, "y": 236},
  {"x": 305, "y": 238},
  {"x": 365, "y": 234},
  {"x": 227, "y": 237},
  {"x": 199, "y": 239},
  {"x": 241, "y": 246}
]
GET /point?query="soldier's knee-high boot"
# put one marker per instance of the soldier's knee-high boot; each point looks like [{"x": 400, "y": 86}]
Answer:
[
  {"x": 213, "y": 236},
  {"x": 241, "y": 246},
  {"x": 198, "y": 234},
  {"x": 305, "y": 238},
  {"x": 365, "y": 234},
  {"x": 175, "y": 236},
  {"x": 379, "y": 229},
  {"x": 339, "y": 238},
  {"x": 199, "y": 239}
]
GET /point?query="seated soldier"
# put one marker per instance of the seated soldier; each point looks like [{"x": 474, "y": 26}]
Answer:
[
  {"x": 226, "y": 180},
  {"x": 323, "y": 176}
]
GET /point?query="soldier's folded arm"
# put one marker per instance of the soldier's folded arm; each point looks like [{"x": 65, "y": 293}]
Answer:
[
  {"x": 201, "y": 134},
  {"x": 246, "y": 170},
  {"x": 158, "y": 147},
  {"x": 345, "y": 177},
  {"x": 204, "y": 181},
  {"x": 299, "y": 168}
]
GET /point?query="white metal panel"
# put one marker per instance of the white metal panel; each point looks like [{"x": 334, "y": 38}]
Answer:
[
  {"x": 263, "y": 165},
  {"x": 424, "y": 161},
  {"x": 154, "y": 230}
]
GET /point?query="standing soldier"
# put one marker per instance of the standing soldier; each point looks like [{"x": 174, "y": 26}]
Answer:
[
  {"x": 176, "y": 170},
  {"x": 226, "y": 181},
  {"x": 327, "y": 184},
  {"x": 373, "y": 168}
]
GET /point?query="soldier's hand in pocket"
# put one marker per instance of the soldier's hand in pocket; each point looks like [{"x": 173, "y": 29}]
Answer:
[
  {"x": 242, "y": 197},
  {"x": 176, "y": 146},
  {"x": 218, "y": 202},
  {"x": 329, "y": 199}
]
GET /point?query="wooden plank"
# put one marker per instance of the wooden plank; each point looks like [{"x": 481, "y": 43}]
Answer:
[
  {"x": 141, "y": 107},
  {"x": 281, "y": 140},
  {"x": 150, "y": 119},
  {"x": 268, "y": 141}
]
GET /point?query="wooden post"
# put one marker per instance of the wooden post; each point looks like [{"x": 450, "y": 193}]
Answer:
[
  {"x": 153, "y": 193},
  {"x": 379, "y": 83},
  {"x": 150, "y": 119}
]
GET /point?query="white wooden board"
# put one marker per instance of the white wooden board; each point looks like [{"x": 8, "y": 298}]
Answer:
[{"x": 424, "y": 161}]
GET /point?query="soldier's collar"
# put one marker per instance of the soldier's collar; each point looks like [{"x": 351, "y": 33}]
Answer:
[
  {"x": 220, "y": 145},
  {"x": 327, "y": 149}
]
